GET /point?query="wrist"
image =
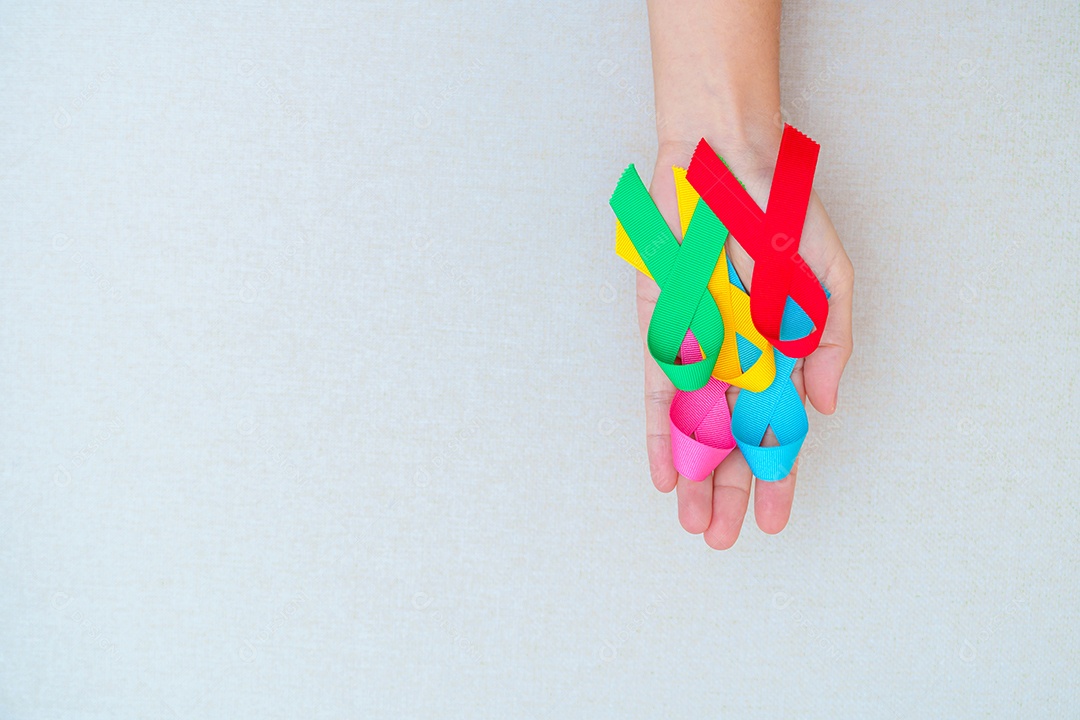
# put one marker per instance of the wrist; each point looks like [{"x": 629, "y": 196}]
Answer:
[{"x": 749, "y": 148}]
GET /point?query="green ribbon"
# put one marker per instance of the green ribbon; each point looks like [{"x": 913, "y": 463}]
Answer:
[{"x": 682, "y": 271}]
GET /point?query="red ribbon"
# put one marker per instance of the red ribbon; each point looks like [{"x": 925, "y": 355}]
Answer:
[{"x": 770, "y": 237}]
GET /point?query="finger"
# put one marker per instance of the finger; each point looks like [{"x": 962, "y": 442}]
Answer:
[
  {"x": 824, "y": 367},
  {"x": 773, "y": 499},
  {"x": 731, "y": 495},
  {"x": 695, "y": 504},
  {"x": 772, "y": 502},
  {"x": 659, "y": 393},
  {"x": 825, "y": 255}
]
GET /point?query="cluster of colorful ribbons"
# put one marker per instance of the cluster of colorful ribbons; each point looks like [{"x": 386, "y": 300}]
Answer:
[{"x": 707, "y": 333}]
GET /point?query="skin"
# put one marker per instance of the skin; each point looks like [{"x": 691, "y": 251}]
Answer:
[{"x": 716, "y": 71}]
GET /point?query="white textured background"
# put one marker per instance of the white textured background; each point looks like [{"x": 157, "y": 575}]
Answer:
[{"x": 320, "y": 387}]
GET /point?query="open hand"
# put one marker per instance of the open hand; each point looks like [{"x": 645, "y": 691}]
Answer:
[{"x": 716, "y": 507}]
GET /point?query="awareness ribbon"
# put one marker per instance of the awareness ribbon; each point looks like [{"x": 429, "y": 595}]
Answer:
[
  {"x": 778, "y": 406},
  {"x": 771, "y": 238},
  {"x": 682, "y": 270}
]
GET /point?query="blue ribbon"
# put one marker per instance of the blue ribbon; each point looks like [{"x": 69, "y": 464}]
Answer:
[{"x": 778, "y": 406}]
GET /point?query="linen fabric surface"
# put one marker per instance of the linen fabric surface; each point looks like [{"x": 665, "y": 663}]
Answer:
[{"x": 321, "y": 386}]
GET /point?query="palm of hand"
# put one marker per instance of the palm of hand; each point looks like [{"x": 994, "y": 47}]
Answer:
[{"x": 716, "y": 507}]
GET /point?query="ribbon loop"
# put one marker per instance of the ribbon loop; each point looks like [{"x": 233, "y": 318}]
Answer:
[
  {"x": 778, "y": 406},
  {"x": 771, "y": 237},
  {"x": 682, "y": 270},
  {"x": 700, "y": 425}
]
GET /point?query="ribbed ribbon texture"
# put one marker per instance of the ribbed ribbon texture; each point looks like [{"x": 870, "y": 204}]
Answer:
[
  {"x": 771, "y": 237},
  {"x": 707, "y": 333}
]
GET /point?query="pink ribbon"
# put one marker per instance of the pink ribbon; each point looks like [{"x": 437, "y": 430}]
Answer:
[{"x": 700, "y": 422}]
